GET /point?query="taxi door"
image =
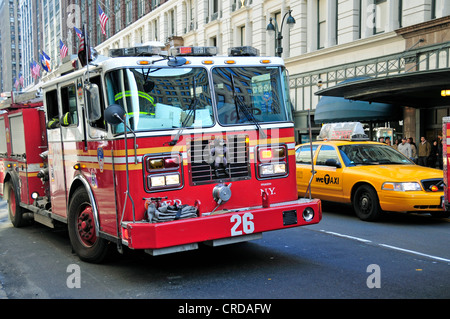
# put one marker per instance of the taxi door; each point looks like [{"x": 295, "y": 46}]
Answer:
[
  {"x": 328, "y": 181},
  {"x": 303, "y": 167}
]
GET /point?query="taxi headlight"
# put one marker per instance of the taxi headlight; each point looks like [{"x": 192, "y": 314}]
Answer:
[{"x": 401, "y": 187}]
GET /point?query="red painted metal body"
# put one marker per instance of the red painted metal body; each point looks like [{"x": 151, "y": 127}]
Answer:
[{"x": 23, "y": 134}]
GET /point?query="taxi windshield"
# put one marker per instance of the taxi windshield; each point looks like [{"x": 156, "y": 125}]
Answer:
[
  {"x": 371, "y": 154},
  {"x": 161, "y": 98},
  {"x": 251, "y": 94}
]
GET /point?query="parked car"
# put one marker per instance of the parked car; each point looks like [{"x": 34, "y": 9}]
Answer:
[{"x": 373, "y": 177}]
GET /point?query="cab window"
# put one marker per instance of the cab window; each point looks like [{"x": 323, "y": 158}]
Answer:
[
  {"x": 326, "y": 152},
  {"x": 69, "y": 105},
  {"x": 303, "y": 154},
  {"x": 51, "y": 99}
]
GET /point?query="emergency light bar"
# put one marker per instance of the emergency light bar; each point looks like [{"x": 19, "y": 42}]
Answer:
[
  {"x": 135, "y": 51},
  {"x": 243, "y": 51},
  {"x": 193, "y": 51},
  {"x": 348, "y": 131}
]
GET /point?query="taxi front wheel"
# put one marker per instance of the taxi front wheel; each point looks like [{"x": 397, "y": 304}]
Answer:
[{"x": 366, "y": 204}]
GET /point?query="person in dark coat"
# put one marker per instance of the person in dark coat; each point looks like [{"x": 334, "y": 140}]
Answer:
[
  {"x": 433, "y": 154},
  {"x": 440, "y": 156}
]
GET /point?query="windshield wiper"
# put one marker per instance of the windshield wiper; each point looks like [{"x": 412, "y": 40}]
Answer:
[
  {"x": 241, "y": 105},
  {"x": 190, "y": 114}
]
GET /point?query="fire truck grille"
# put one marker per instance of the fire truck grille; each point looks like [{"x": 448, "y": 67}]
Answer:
[{"x": 207, "y": 165}]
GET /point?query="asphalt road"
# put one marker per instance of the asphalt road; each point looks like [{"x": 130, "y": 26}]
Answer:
[{"x": 401, "y": 257}]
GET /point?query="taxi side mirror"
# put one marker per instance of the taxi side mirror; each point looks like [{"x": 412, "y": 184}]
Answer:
[{"x": 332, "y": 162}]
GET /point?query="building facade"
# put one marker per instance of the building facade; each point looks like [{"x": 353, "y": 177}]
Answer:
[
  {"x": 10, "y": 45},
  {"x": 331, "y": 41},
  {"x": 32, "y": 35}
]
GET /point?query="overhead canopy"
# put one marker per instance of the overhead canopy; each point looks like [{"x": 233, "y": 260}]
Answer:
[
  {"x": 338, "y": 109},
  {"x": 419, "y": 89}
]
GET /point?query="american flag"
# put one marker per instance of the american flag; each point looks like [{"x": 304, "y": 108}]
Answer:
[
  {"x": 62, "y": 49},
  {"x": 103, "y": 19},
  {"x": 36, "y": 69},
  {"x": 21, "y": 79},
  {"x": 32, "y": 70},
  {"x": 79, "y": 33}
]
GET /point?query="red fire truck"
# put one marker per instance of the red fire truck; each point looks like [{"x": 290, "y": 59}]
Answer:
[
  {"x": 159, "y": 152},
  {"x": 445, "y": 159}
]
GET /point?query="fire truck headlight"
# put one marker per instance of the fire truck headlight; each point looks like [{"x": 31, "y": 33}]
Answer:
[
  {"x": 267, "y": 170},
  {"x": 157, "y": 181},
  {"x": 279, "y": 168},
  {"x": 163, "y": 171},
  {"x": 308, "y": 214},
  {"x": 172, "y": 179},
  {"x": 34, "y": 195},
  {"x": 165, "y": 180}
]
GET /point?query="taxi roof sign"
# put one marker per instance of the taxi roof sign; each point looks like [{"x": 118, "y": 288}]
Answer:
[{"x": 348, "y": 131}]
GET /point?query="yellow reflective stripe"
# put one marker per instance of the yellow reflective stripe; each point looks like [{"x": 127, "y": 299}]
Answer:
[
  {"x": 66, "y": 119},
  {"x": 143, "y": 95}
]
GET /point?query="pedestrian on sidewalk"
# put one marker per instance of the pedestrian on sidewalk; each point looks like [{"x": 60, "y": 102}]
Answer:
[{"x": 424, "y": 151}]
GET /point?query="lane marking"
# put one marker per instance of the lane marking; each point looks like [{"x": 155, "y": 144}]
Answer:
[
  {"x": 346, "y": 236},
  {"x": 366, "y": 241},
  {"x": 416, "y": 253}
]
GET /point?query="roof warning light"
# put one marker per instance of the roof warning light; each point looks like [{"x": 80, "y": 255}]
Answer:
[
  {"x": 243, "y": 51},
  {"x": 193, "y": 51},
  {"x": 135, "y": 51}
]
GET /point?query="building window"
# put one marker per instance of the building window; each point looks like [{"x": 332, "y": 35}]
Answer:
[
  {"x": 433, "y": 9},
  {"x": 118, "y": 18},
  {"x": 322, "y": 23},
  {"x": 129, "y": 12},
  {"x": 381, "y": 15},
  {"x": 242, "y": 36}
]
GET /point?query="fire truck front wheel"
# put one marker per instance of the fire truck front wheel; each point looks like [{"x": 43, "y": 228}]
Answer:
[{"x": 82, "y": 232}]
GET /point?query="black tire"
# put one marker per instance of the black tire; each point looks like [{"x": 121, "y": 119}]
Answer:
[
  {"x": 366, "y": 204},
  {"x": 81, "y": 227},
  {"x": 15, "y": 212}
]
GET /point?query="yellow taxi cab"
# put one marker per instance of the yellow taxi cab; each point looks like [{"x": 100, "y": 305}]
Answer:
[{"x": 373, "y": 177}]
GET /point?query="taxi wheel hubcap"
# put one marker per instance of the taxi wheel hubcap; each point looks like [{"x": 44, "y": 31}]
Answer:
[{"x": 365, "y": 203}]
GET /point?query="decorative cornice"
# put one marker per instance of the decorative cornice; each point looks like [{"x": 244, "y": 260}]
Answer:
[{"x": 425, "y": 27}]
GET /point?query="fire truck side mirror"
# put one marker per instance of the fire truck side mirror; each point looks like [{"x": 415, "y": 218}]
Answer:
[
  {"x": 114, "y": 114},
  {"x": 93, "y": 102}
]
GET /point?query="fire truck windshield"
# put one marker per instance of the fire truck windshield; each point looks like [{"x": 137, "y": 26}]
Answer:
[
  {"x": 160, "y": 98},
  {"x": 260, "y": 94}
]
